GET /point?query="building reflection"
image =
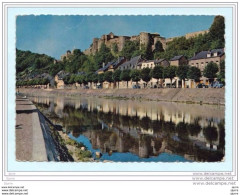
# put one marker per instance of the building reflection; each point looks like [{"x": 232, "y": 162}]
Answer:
[{"x": 143, "y": 128}]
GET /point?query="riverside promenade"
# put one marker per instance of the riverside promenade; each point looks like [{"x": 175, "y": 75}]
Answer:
[{"x": 30, "y": 145}]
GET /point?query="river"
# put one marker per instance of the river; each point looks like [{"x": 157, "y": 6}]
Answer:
[{"x": 140, "y": 131}]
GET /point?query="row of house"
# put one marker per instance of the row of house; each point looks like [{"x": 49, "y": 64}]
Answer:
[{"x": 199, "y": 60}]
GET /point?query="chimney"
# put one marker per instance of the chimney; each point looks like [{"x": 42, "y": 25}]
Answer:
[{"x": 103, "y": 64}]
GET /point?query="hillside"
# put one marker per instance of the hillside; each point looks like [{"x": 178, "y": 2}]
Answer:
[{"x": 30, "y": 64}]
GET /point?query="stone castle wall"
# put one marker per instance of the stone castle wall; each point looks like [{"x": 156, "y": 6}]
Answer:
[{"x": 144, "y": 38}]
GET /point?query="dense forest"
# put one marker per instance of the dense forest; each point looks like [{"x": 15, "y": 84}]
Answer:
[{"x": 28, "y": 63}]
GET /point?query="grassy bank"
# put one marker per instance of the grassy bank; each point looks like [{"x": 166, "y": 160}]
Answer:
[{"x": 202, "y": 95}]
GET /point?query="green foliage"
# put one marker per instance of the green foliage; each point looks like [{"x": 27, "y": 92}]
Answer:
[
  {"x": 100, "y": 78},
  {"x": 81, "y": 79},
  {"x": 157, "y": 72},
  {"x": 145, "y": 74},
  {"x": 217, "y": 30},
  {"x": 108, "y": 76},
  {"x": 221, "y": 75},
  {"x": 170, "y": 72},
  {"x": 66, "y": 79},
  {"x": 125, "y": 75},
  {"x": 130, "y": 47},
  {"x": 182, "y": 72},
  {"x": 211, "y": 70},
  {"x": 146, "y": 52},
  {"x": 194, "y": 73},
  {"x": 89, "y": 65},
  {"x": 55, "y": 68},
  {"x": 32, "y": 82},
  {"x": 75, "y": 61},
  {"x": 72, "y": 79},
  {"x": 115, "y": 48},
  {"x": 135, "y": 75},
  {"x": 104, "y": 55},
  {"x": 117, "y": 75},
  {"x": 27, "y": 59},
  {"x": 94, "y": 78}
]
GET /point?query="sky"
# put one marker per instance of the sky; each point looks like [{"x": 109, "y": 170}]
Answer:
[{"x": 54, "y": 35}]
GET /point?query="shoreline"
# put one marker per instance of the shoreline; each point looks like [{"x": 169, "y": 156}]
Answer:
[{"x": 211, "y": 96}]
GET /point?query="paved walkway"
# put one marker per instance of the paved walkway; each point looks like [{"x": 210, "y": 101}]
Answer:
[{"x": 30, "y": 144}]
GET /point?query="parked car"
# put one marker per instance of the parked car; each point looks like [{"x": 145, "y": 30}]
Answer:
[
  {"x": 201, "y": 85},
  {"x": 217, "y": 84},
  {"x": 168, "y": 85},
  {"x": 136, "y": 87},
  {"x": 99, "y": 86}
]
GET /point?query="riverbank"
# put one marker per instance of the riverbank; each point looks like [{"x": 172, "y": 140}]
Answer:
[
  {"x": 30, "y": 144},
  {"x": 37, "y": 138},
  {"x": 202, "y": 95}
]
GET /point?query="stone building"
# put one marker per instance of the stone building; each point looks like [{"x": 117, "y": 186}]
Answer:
[
  {"x": 152, "y": 63},
  {"x": 201, "y": 59},
  {"x": 178, "y": 60},
  {"x": 66, "y": 55},
  {"x": 59, "y": 79},
  {"x": 144, "y": 38}
]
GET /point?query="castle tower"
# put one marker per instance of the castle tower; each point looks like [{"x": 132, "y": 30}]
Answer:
[
  {"x": 161, "y": 40},
  {"x": 122, "y": 41},
  {"x": 144, "y": 38},
  {"x": 95, "y": 45},
  {"x": 100, "y": 41}
]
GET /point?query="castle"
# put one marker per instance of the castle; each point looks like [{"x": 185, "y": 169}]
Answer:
[{"x": 144, "y": 38}]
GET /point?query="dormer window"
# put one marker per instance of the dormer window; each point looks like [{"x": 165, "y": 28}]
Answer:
[
  {"x": 209, "y": 55},
  {"x": 215, "y": 54}
]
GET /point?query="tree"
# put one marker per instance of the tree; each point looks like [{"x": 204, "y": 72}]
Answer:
[
  {"x": 77, "y": 52},
  {"x": 221, "y": 75},
  {"x": 210, "y": 71},
  {"x": 71, "y": 79},
  {"x": 145, "y": 75},
  {"x": 157, "y": 72},
  {"x": 194, "y": 73},
  {"x": 129, "y": 48},
  {"x": 182, "y": 71},
  {"x": 90, "y": 77},
  {"x": 125, "y": 76},
  {"x": 66, "y": 79},
  {"x": 100, "y": 78},
  {"x": 117, "y": 76},
  {"x": 158, "y": 47},
  {"x": 170, "y": 72},
  {"x": 135, "y": 75},
  {"x": 108, "y": 76},
  {"x": 217, "y": 30},
  {"x": 95, "y": 78},
  {"x": 103, "y": 55},
  {"x": 146, "y": 51},
  {"x": 115, "y": 48}
]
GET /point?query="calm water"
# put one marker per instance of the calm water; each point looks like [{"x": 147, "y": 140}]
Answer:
[{"x": 130, "y": 131}]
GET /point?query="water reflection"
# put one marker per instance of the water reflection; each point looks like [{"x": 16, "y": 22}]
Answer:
[{"x": 125, "y": 130}]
